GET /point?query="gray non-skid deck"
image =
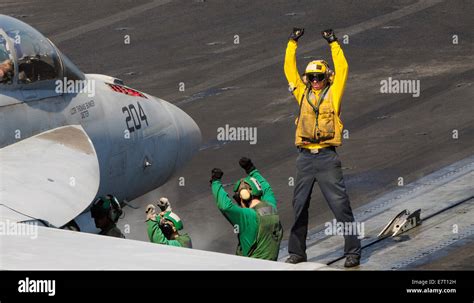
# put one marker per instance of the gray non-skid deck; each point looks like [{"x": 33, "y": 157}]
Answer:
[{"x": 431, "y": 194}]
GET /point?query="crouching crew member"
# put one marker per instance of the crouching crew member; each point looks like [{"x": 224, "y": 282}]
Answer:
[
  {"x": 106, "y": 211},
  {"x": 164, "y": 228}
]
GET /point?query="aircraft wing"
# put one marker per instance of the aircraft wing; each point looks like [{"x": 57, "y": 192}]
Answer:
[
  {"x": 52, "y": 176},
  {"x": 46, "y": 248}
]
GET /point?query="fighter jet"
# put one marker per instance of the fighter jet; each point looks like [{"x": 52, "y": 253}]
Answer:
[{"x": 67, "y": 137}]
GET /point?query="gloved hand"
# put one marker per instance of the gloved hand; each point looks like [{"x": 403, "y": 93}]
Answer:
[
  {"x": 297, "y": 33},
  {"x": 246, "y": 164},
  {"x": 216, "y": 174},
  {"x": 150, "y": 212},
  {"x": 164, "y": 204},
  {"x": 329, "y": 35}
]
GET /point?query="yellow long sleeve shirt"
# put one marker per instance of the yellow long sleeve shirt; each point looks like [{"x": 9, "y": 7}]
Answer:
[{"x": 298, "y": 87}]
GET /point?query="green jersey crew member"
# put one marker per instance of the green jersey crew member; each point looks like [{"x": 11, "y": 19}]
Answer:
[
  {"x": 256, "y": 218},
  {"x": 166, "y": 229},
  {"x": 318, "y": 132}
]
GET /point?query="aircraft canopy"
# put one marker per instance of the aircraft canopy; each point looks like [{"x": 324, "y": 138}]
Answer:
[{"x": 26, "y": 56}]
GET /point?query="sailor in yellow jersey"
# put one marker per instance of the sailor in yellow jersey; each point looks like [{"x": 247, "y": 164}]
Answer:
[{"x": 318, "y": 132}]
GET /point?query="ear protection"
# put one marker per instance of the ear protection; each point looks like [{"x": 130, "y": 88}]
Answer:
[
  {"x": 247, "y": 189},
  {"x": 318, "y": 66},
  {"x": 115, "y": 210},
  {"x": 305, "y": 79},
  {"x": 108, "y": 206},
  {"x": 245, "y": 194},
  {"x": 167, "y": 229},
  {"x": 169, "y": 225}
]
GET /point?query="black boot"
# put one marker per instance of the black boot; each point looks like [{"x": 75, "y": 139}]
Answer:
[
  {"x": 294, "y": 259},
  {"x": 352, "y": 261}
]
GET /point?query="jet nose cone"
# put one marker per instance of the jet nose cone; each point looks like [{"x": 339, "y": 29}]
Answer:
[{"x": 189, "y": 136}]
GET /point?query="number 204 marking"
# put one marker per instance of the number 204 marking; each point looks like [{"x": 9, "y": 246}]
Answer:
[{"x": 134, "y": 117}]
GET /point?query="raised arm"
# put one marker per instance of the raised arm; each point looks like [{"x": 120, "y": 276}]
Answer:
[
  {"x": 268, "y": 195},
  {"x": 341, "y": 68},
  {"x": 250, "y": 169},
  {"x": 293, "y": 77},
  {"x": 232, "y": 212}
]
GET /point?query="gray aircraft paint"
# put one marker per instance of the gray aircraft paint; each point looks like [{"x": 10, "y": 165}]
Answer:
[{"x": 168, "y": 141}]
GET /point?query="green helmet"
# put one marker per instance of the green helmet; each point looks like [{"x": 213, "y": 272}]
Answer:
[
  {"x": 171, "y": 216},
  {"x": 107, "y": 206},
  {"x": 255, "y": 186}
]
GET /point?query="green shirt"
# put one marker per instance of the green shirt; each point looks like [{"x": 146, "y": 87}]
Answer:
[
  {"x": 156, "y": 236},
  {"x": 244, "y": 220}
]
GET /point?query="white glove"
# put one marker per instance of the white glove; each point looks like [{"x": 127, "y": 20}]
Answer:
[
  {"x": 150, "y": 212},
  {"x": 164, "y": 204}
]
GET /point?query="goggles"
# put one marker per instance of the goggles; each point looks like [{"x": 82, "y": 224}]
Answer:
[{"x": 316, "y": 77}]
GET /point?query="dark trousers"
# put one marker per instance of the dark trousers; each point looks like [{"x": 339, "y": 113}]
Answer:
[{"x": 324, "y": 168}]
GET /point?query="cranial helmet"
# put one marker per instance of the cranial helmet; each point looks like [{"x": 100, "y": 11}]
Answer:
[
  {"x": 174, "y": 218},
  {"x": 248, "y": 188},
  {"x": 318, "y": 67},
  {"x": 107, "y": 206}
]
